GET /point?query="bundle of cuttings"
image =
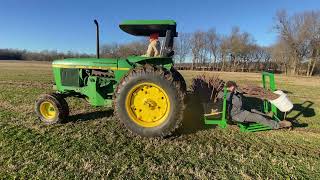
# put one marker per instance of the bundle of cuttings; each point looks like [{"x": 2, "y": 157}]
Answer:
[
  {"x": 259, "y": 92},
  {"x": 207, "y": 87}
]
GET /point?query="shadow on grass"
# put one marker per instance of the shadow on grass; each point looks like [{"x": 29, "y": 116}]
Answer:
[
  {"x": 287, "y": 92},
  {"x": 304, "y": 109},
  {"x": 250, "y": 103},
  {"x": 89, "y": 116},
  {"x": 193, "y": 114},
  {"x": 193, "y": 117}
]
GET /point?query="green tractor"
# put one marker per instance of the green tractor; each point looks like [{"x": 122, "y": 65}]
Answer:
[{"x": 147, "y": 93}]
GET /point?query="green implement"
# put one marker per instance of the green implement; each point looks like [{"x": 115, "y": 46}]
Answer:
[
  {"x": 248, "y": 127},
  {"x": 221, "y": 122}
]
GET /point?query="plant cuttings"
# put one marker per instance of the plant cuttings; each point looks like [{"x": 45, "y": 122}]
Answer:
[{"x": 208, "y": 87}]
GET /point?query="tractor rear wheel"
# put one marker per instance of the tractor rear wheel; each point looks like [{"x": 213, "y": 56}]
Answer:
[
  {"x": 149, "y": 101},
  {"x": 51, "y": 108},
  {"x": 180, "y": 78}
]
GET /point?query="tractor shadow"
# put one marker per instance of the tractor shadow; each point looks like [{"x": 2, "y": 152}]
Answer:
[
  {"x": 193, "y": 114},
  {"x": 88, "y": 116},
  {"x": 193, "y": 117}
]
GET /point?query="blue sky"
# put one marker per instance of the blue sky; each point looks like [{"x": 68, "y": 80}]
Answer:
[{"x": 68, "y": 24}]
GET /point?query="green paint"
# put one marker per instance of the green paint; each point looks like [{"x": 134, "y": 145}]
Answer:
[
  {"x": 148, "y": 27},
  {"x": 148, "y": 22},
  {"x": 222, "y": 123},
  {"x": 253, "y": 127},
  {"x": 94, "y": 92},
  {"x": 152, "y": 60},
  {"x": 103, "y": 62},
  {"x": 98, "y": 90},
  {"x": 272, "y": 86}
]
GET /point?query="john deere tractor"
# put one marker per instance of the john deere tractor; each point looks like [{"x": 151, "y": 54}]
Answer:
[{"x": 147, "y": 93}]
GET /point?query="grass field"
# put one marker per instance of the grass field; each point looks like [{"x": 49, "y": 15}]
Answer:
[{"x": 92, "y": 144}]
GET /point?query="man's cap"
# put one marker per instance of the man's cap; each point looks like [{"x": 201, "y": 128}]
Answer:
[{"x": 231, "y": 83}]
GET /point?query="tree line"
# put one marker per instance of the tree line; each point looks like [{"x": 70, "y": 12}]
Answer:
[
  {"x": 296, "y": 50},
  {"x": 15, "y": 54}
]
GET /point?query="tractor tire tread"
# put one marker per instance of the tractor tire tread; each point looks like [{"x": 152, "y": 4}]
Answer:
[
  {"x": 58, "y": 101},
  {"x": 169, "y": 76}
]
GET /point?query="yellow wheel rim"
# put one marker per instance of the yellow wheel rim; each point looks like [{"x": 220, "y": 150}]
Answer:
[
  {"x": 47, "y": 110},
  {"x": 147, "y": 104}
]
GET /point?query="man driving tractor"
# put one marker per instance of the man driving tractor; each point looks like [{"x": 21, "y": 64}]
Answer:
[
  {"x": 154, "y": 46},
  {"x": 238, "y": 114}
]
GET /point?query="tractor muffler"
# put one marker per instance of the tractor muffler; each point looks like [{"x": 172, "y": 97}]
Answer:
[{"x": 97, "y": 33}]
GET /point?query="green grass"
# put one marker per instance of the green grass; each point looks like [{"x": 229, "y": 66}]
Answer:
[{"x": 93, "y": 144}]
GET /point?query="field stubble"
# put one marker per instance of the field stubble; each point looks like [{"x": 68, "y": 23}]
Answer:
[{"x": 91, "y": 143}]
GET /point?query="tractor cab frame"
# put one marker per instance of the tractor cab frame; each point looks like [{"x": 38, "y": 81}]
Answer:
[{"x": 165, "y": 28}]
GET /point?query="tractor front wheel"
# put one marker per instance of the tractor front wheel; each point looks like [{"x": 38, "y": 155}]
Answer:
[
  {"x": 51, "y": 108},
  {"x": 149, "y": 101}
]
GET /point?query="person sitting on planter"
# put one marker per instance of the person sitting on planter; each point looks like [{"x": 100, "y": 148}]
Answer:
[{"x": 239, "y": 114}]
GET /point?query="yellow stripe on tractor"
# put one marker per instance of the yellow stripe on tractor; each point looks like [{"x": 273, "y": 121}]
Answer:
[{"x": 89, "y": 67}]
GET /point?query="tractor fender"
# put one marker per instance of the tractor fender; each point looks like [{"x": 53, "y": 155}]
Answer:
[{"x": 142, "y": 60}]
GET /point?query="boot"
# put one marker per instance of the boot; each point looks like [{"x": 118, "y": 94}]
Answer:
[{"x": 284, "y": 124}]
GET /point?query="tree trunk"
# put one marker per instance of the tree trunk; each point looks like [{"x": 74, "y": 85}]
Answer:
[
  {"x": 223, "y": 63},
  {"x": 233, "y": 66},
  {"x": 312, "y": 69},
  {"x": 286, "y": 68},
  {"x": 192, "y": 64},
  {"x": 309, "y": 67},
  {"x": 214, "y": 62},
  {"x": 294, "y": 68},
  {"x": 242, "y": 68}
]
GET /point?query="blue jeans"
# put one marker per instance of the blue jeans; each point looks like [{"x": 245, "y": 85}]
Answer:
[{"x": 247, "y": 116}]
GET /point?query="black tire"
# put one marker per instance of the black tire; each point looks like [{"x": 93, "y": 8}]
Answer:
[
  {"x": 179, "y": 78},
  {"x": 162, "y": 78},
  {"x": 59, "y": 104}
]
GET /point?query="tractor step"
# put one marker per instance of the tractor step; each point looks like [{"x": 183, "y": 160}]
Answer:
[{"x": 253, "y": 127}]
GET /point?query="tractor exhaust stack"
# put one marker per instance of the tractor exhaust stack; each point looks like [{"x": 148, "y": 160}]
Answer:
[{"x": 97, "y": 33}]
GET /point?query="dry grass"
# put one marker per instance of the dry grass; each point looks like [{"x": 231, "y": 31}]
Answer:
[{"x": 92, "y": 144}]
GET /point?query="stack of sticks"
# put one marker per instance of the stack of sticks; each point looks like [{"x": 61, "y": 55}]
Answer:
[
  {"x": 207, "y": 87},
  {"x": 258, "y": 92}
]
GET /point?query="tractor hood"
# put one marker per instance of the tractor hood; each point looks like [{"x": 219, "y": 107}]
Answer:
[
  {"x": 109, "y": 63},
  {"x": 89, "y": 63}
]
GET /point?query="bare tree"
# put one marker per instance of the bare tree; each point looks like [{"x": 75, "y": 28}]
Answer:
[
  {"x": 198, "y": 47},
  {"x": 280, "y": 54},
  {"x": 182, "y": 47},
  {"x": 312, "y": 28},
  {"x": 224, "y": 51},
  {"x": 300, "y": 32},
  {"x": 213, "y": 45}
]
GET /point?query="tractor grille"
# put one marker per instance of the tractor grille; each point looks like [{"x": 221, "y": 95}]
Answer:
[{"x": 70, "y": 77}]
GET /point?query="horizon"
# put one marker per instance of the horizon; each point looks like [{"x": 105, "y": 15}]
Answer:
[{"x": 67, "y": 26}]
